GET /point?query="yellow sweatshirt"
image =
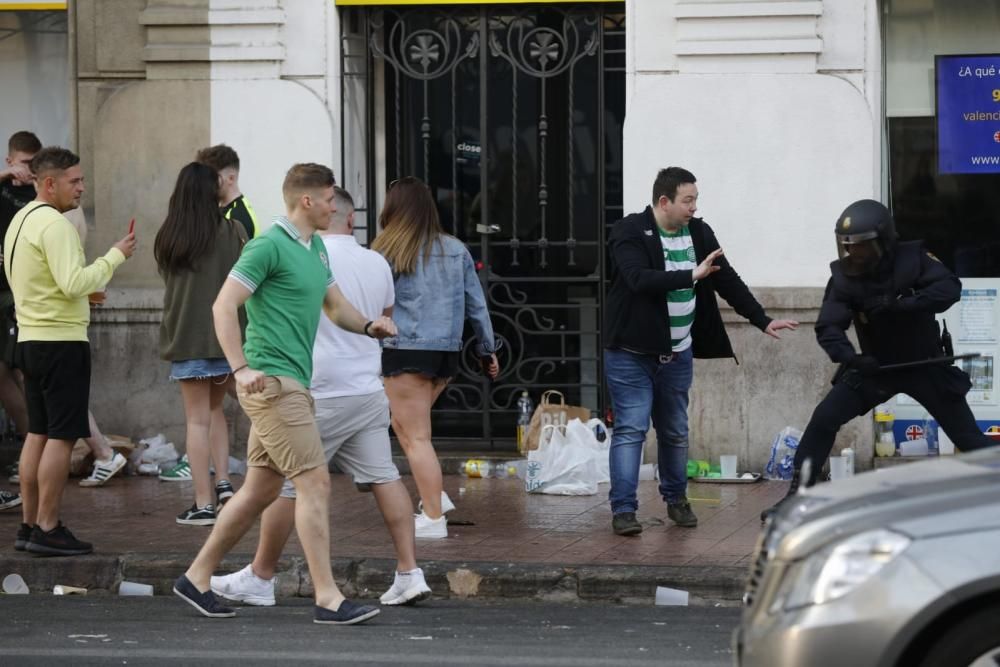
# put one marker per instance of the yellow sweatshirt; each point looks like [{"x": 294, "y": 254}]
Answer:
[{"x": 48, "y": 275}]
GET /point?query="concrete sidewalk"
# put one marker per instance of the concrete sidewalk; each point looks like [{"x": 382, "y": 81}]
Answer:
[{"x": 502, "y": 542}]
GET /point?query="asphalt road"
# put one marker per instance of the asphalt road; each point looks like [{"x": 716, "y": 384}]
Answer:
[{"x": 106, "y": 630}]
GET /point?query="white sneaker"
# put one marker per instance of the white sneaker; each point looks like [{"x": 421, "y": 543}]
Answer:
[
  {"x": 430, "y": 529},
  {"x": 245, "y": 586},
  {"x": 407, "y": 589},
  {"x": 446, "y": 504},
  {"x": 104, "y": 470}
]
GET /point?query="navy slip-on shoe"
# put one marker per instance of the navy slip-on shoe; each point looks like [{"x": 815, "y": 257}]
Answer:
[
  {"x": 349, "y": 613},
  {"x": 203, "y": 602}
]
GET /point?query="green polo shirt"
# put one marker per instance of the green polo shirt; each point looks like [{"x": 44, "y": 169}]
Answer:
[{"x": 288, "y": 277}]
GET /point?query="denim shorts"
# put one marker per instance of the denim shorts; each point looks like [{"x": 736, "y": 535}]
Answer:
[{"x": 199, "y": 369}]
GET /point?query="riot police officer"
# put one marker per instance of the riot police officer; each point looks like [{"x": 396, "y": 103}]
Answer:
[{"x": 891, "y": 291}]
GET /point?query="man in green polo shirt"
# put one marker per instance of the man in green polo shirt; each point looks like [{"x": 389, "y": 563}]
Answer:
[{"x": 283, "y": 277}]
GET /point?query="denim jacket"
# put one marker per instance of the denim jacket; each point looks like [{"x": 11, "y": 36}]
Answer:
[{"x": 433, "y": 302}]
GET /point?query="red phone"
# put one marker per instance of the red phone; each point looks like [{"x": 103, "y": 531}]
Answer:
[{"x": 131, "y": 226}]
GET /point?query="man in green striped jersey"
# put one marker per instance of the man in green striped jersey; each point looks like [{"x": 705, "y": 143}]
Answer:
[{"x": 661, "y": 313}]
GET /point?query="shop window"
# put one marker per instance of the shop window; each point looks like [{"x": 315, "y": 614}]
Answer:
[{"x": 955, "y": 210}]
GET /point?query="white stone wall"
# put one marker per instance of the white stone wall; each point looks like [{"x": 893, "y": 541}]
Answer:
[{"x": 774, "y": 105}]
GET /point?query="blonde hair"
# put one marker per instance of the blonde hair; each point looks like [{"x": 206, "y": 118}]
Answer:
[{"x": 410, "y": 224}]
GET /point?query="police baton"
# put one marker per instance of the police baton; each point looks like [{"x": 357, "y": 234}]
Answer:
[{"x": 929, "y": 362}]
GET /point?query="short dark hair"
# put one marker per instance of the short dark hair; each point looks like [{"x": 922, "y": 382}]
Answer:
[
  {"x": 343, "y": 195},
  {"x": 667, "y": 181},
  {"x": 219, "y": 157},
  {"x": 306, "y": 176},
  {"x": 53, "y": 158},
  {"x": 23, "y": 142}
]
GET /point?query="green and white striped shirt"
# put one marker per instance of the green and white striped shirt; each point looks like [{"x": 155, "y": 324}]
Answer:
[{"x": 678, "y": 255}]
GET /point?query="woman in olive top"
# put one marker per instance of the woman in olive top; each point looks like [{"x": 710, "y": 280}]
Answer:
[{"x": 194, "y": 250}]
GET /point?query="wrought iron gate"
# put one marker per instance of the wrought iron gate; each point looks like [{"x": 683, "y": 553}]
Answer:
[{"x": 513, "y": 116}]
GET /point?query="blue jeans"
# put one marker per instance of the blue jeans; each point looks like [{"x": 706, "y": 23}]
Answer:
[{"x": 641, "y": 387}]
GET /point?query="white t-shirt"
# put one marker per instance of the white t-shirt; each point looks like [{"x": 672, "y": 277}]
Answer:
[{"x": 344, "y": 363}]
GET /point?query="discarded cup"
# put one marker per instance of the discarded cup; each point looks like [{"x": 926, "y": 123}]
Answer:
[
  {"x": 133, "y": 588},
  {"x": 671, "y": 597},
  {"x": 838, "y": 467},
  {"x": 916, "y": 447},
  {"x": 60, "y": 589},
  {"x": 13, "y": 584},
  {"x": 727, "y": 466}
]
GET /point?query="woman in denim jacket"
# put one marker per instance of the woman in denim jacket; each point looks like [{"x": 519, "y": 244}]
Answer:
[{"x": 436, "y": 290}]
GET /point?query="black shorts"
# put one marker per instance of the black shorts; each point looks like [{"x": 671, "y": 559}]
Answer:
[
  {"x": 57, "y": 387},
  {"x": 432, "y": 363}
]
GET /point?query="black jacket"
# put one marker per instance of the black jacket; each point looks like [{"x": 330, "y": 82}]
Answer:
[
  {"x": 919, "y": 286},
  {"x": 637, "y": 317}
]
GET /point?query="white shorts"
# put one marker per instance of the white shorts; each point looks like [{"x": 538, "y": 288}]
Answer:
[{"x": 355, "y": 435}]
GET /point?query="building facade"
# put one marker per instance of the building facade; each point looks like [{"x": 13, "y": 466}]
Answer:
[{"x": 537, "y": 125}]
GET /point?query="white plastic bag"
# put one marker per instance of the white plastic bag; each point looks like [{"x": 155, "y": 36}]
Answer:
[
  {"x": 570, "y": 462},
  {"x": 157, "y": 450},
  {"x": 781, "y": 462}
]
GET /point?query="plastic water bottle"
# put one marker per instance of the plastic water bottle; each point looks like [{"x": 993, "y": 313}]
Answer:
[
  {"x": 931, "y": 434},
  {"x": 477, "y": 468},
  {"x": 524, "y": 411},
  {"x": 848, "y": 455},
  {"x": 885, "y": 440},
  {"x": 510, "y": 469}
]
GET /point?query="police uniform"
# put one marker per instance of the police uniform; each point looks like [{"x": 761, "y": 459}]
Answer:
[{"x": 891, "y": 292}]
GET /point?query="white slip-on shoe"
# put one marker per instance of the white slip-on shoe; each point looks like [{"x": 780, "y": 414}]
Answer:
[
  {"x": 407, "y": 589},
  {"x": 430, "y": 529},
  {"x": 446, "y": 504},
  {"x": 245, "y": 586}
]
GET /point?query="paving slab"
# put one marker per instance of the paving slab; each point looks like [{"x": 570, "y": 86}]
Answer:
[{"x": 502, "y": 542}]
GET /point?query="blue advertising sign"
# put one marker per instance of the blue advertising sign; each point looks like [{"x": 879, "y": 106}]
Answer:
[{"x": 968, "y": 114}]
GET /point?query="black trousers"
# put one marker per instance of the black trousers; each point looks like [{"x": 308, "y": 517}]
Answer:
[{"x": 939, "y": 389}]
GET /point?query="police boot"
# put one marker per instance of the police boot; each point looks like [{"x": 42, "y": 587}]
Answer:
[{"x": 793, "y": 489}]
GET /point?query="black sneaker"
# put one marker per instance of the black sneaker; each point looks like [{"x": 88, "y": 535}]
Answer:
[
  {"x": 56, "y": 542},
  {"x": 205, "y": 602},
  {"x": 197, "y": 516},
  {"x": 349, "y": 613},
  {"x": 625, "y": 524},
  {"x": 681, "y": 514},
  {"x": 223, "y": 492},
  {"x": 23, "y": 535},
  {"x": 9, "y": 500},
  {"x": 793, "y": 489}
]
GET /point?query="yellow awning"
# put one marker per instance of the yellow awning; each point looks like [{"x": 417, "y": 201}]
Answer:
[
  {"x": 454, "y": 2},
  {"x": 14, "y": 5}
]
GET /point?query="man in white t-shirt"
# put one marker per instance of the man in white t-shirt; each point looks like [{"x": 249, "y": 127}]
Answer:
[{"x": 352, "y": 413}]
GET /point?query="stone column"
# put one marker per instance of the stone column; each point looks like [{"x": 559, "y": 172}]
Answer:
[{"x": 157, "y": 80}]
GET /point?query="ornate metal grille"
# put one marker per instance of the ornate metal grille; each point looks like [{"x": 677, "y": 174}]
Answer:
[{"x": 514, "y": 118}]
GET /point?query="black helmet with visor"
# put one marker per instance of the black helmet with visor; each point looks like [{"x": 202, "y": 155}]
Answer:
[{"x": 865, "y": 233}]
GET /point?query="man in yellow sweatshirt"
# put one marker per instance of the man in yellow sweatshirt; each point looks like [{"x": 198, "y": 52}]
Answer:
[{"x": 47, "y": 271}]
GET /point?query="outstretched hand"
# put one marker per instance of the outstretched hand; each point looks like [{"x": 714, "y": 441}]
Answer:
[
  {"x": 777, "y": 325},
  {"x": 706, "y": 268}
]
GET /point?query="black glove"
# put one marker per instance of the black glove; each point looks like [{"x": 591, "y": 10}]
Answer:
[
  {"x": 863, "y": 364},
  {"x": 879, "y": 304}
]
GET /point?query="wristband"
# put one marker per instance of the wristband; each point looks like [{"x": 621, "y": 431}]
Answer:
[
  {"x": 237, "y": 370},
  {"x": 368, "y": 324}
]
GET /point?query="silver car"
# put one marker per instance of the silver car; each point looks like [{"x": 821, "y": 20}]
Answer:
[{"x": 894, "y": 567}]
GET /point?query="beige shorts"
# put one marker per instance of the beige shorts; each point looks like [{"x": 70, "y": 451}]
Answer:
[
  {"x": 355, "y": 433},
  {"x": 283, "y": 432}
]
